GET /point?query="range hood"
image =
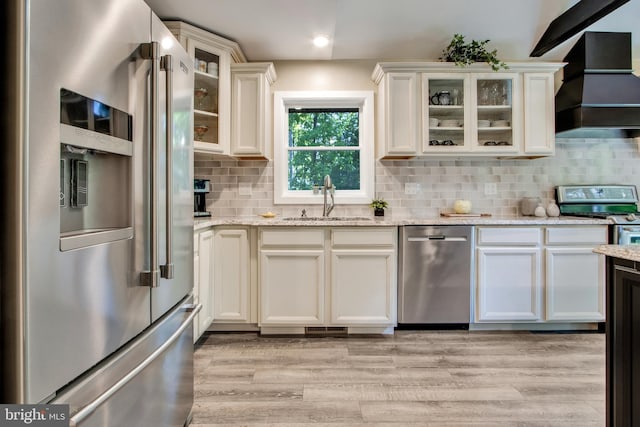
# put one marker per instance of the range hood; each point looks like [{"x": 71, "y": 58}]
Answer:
[{"x": 600, "y": 96}]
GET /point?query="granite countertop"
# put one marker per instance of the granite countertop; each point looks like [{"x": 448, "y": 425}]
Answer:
[
  {"x": 390, "y": 221},
  {"x": 629, "y": 252}
]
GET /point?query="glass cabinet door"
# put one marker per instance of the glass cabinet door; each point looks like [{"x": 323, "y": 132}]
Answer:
[
  {"x": 444, "y": 99},
  {"x": 205, "y": 99},
  {"x": 495, "y": 117}
]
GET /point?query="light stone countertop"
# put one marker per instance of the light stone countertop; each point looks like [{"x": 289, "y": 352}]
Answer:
[
  {"x": 389, "y": 221},
  {"x": 629, "y": 252}
]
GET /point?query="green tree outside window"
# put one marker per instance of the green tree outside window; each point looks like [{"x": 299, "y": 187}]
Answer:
[{"x": 323, "y": 142}]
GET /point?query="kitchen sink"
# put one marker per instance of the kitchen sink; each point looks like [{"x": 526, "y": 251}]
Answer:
[{"x": 328, "y": 218}]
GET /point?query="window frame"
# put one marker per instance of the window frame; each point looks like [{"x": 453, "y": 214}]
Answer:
[{"x": 283, "y": 101}]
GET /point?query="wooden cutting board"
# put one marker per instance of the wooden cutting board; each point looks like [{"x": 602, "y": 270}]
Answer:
[{"x": 467, "y": 215}]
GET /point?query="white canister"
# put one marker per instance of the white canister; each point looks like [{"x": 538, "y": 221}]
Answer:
[
  {"x": 540, "y": 211},
  {"x": 528, "y": 205},
  {"x": 212, "y": 68}
]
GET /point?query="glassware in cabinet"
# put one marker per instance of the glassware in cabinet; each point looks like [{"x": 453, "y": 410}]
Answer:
[{"x": 495, "y": 112}]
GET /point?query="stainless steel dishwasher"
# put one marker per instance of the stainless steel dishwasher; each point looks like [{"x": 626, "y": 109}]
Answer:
[{"x": 435, "y": 276}]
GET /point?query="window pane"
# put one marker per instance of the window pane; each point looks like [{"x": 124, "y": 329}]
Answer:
[
  {"x": 312, "y": 127},
  {"x": 308, "y": 168}
]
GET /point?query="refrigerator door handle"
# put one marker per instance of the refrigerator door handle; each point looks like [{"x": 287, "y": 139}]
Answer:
[
  {"x": 151, "y": 277},
  {"x": 87, "y": 410},
  {"x": 166, "y": 270}
]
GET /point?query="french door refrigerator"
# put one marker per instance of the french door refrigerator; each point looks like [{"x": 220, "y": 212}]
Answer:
[{"x": 96, "y": 274}]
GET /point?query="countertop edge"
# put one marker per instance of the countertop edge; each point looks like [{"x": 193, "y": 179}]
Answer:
[
  {"x": 391, "y": 222},
  {"x": 628, "y": 252}
]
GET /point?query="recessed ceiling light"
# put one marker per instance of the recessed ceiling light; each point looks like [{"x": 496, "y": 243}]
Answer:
[{"x": 321, "y": 41}]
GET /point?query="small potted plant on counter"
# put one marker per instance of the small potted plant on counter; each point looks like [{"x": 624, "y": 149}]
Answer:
[{"x": 378, "y": 205}]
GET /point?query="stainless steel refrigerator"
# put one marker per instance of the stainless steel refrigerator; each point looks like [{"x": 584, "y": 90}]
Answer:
[{"x": 96, "y": 265}]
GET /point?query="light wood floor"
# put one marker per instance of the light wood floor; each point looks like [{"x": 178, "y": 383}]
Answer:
[{"x": 415, "y": 378}]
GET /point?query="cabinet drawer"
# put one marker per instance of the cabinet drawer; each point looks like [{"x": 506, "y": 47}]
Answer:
[
  {"x": 576, "y": 235},
  {"x": 298, "y": 237},
  {"x": 363, "y": 237},
  {"x": 524, "y": 236}
]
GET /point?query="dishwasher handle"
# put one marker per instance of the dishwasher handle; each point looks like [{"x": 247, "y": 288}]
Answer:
[{"x": 437, "y": 237}]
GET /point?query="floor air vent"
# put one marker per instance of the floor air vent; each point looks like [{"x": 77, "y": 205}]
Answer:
[{"x": 326, "y": 331}]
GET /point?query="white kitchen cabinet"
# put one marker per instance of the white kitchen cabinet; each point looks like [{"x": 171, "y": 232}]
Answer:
[
  {"x": 515, "y": 284},
  {"x": 205, "y": 279},
  {"x": 398, "y": 115},
  {"x": 508, "y": 274},
  {"x": 196, "y": 281},
  {"x": 212, "y": 89},
  {"x": 539, "y": 114},
  {"x": 363, "y": 276},
  {"x": 251, "y": 118},
  {"x": 575, "y": 276},
  {"x": 292, "y": 271},
  {"x": 486, "y": 113},
  {"x": 343, "y": 277},
  {"x": 231, "y": 280}
]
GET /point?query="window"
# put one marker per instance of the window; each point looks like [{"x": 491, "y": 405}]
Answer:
[{"x": 323, "y": 133}]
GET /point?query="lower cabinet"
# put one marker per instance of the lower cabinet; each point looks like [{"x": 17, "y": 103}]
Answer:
[
  {"x": 203, "y": 281},
  {"x": 508, "y": 274},
  {"x": 363, "y": 277},
  {"x": 522, "y": 277},
  {"x": 623, "y": 343},
  {"x": 231, "y": 276},
  {"x": 575, "y": 276},
  {"x": 196, "y": 290},
  {"x": 328, "y": 276}
]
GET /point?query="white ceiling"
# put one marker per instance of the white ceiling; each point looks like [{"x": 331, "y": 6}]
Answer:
[{"x": 270, "y": 30}]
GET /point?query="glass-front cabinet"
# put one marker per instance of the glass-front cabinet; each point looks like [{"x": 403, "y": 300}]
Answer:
[
  {"x": 495, "y": 116},
  {"x": 212, "y": 56},
  {"x": 446, "y": 120},
  {"x": 467, "y": 112},
  {"x": 205, "y": 97}
]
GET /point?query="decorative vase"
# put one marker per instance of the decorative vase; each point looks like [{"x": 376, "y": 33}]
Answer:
[
  {"x": 540, "y": 211},
  {"x": 378, "y": 211},
  {"x": 553, "y": 210}
]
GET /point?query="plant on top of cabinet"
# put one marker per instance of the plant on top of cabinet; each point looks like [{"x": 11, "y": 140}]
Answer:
[{"x": 464, "y": 54}]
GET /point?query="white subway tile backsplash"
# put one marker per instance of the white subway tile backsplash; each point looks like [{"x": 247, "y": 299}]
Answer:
[{"x": 440, "y": 182}]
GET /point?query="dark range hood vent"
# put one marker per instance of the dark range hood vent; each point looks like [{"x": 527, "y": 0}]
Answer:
[{"x": 600, "y": 96}]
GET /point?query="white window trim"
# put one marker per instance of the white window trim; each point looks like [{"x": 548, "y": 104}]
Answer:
[{"x": 283, "y": 100}]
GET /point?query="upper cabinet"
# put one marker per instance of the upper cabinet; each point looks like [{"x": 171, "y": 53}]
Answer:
[
  {"x": 213, "y": 56},
  {"x": 251, "y": 119},
  {"x": 439, "y": 109}
]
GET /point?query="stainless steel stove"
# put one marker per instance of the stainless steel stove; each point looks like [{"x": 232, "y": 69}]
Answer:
[{"x": 617, "y": 203}]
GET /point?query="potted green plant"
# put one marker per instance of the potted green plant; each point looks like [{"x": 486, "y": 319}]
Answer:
[
  {"x": 464, "y": 54},
  {"x": 378, "y": 205}
]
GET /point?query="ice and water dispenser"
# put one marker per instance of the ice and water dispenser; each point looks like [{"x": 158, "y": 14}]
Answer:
[{"x": 96, "y": 152}]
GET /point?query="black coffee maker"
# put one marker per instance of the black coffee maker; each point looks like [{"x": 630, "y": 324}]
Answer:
[{"x": 200, "y": 189}]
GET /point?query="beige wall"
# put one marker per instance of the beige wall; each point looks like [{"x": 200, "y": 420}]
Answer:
[{"x": 324, "y": 75}]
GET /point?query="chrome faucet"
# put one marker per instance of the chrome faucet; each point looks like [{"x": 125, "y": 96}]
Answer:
[{"x": 328, "y": 186}]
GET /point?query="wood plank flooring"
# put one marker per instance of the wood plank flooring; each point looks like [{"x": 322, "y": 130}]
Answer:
[{"x": 413, "y": 378}]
